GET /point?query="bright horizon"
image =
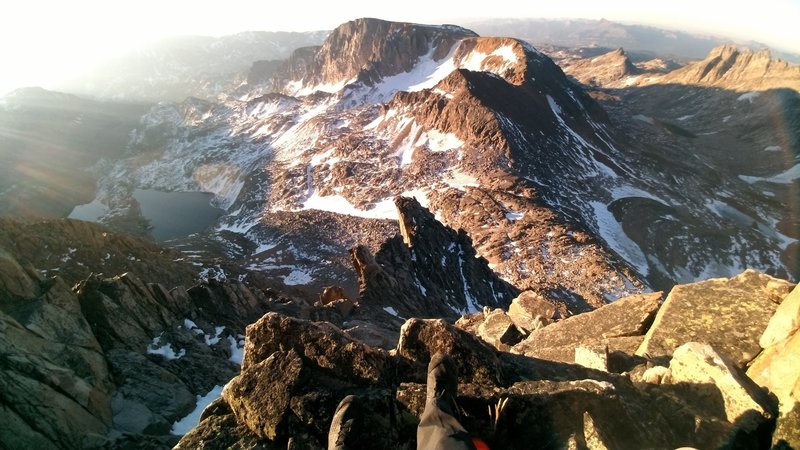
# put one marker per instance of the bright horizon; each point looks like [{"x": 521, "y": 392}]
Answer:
[{"x": 44, "y": 42}]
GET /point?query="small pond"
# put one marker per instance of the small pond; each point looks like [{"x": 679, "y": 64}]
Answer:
[{"x": 176, "y": 214}]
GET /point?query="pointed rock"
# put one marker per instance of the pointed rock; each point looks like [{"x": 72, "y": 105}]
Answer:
[{"x": 429, "y": 270}]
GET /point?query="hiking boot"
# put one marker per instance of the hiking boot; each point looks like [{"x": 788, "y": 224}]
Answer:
[
  {"x": 344, "y": 433},
  {"x": 439, "y": 428},
  {"x": 442, "y": 382}
]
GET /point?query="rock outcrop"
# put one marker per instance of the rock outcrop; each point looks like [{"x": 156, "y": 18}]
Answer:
[
  {"x": 428, "y": 270},
  {"x": 72, "y": 249},
  {"x": 739, "y": 309},
  {"x": 56, "y": 385},
  {"x": 702, "y": 399},
  {"x": 619, "y": 326},
  {"x": 608, "y": 69},
  {"x": 729, "y": 67},
  {"x": 777, "y": 368},
  {"x": 113, "y": 361}
]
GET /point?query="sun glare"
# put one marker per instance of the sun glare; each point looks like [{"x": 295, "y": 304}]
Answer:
[{"x": 46, "y": 41}]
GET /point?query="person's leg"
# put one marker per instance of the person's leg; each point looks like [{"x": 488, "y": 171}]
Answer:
[{"x": 439, "y": 429}]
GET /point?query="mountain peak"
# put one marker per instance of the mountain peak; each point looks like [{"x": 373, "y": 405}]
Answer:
[
  {"x": 368, "y": 49},
  {"x": 730, "y": 67}
]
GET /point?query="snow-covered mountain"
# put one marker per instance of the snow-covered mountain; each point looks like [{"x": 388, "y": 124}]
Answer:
[{"x": 578, "y": 201}]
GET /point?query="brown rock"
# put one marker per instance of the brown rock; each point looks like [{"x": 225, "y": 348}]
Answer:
[
  {"x": 618, "y": 321},
  {"x": 331, "y": 293},
  {"x": 422, "y": 338},
  {"x": 592, "y": 356},
  {"x": 745, "y": 404},
  {"x": 728, "y": 313},
  {"x": 498, "y": 329},
  {"x": 530, "y": 311},
  {"x": 318, "y": 342},
  {"x": 13, "y": 278},
  {"x": 784, "y": 322},
  {"x": 777, "y": 369},
  {"x": 260, "y": 396}
]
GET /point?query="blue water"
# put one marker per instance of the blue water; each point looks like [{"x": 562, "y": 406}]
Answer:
[{"x": 176, "y": 214}]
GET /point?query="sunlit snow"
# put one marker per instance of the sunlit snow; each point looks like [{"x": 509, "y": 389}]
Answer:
[
  {"x": 749, "y": 96},
  {"x": 186, "y": 424},
  {"x": 297, "y": 277},
  {"x": 611, "y": 231},
  {"x": 155, "y": 348}
]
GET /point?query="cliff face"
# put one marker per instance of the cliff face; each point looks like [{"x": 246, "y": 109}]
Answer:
[
  {"x": 367, "y": 50},
  {"x": 729, "y": 67}
]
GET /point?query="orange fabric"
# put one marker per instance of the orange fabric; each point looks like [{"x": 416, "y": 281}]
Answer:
[{"x": 479, "y": 444}]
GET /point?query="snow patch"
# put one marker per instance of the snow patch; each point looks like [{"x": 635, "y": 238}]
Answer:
[
  {"x": 611, "y": 231},
  {"x": 155, "y": 348},
  {"x": 514, "y": 215},
  {"x": 391, "y": 311},
  {"x": 237, "y": 349},
  {"x": 384, "y": 209},
  {"x": 186, "y": 424},
  {"x": 786, "y": 177},
  {"x": 214, "y": 340},
  {"x": 749, "y": 96},
  {"x": 460, "y": 180},
  {"x": 297, "y": 277}
]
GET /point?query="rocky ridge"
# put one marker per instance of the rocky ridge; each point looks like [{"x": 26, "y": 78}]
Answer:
[
  {"x": 631, "y": 373},
  {"x": 699, "y": 397},
  {"x": 112, "y": 360},
  {"x": 486, "y": 132},
  {"x": 729, "y": 67}
]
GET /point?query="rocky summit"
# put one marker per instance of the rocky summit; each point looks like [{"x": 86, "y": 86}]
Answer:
[
  {"x": 587, "y": 391},
  {"x": 604, "y": 242}
]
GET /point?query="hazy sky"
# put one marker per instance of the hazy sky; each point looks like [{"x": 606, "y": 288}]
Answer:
[{"x": 45, "y": 40}]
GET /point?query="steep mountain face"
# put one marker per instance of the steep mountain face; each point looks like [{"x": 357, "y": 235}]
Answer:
[
  {"x": 731, "y": 68},
  {"x": 558, "y": 195},
  {"x": 487, "y": 132},
  {"x": 428, "y": 270},
  {"x": 188, "y": 66},
  {"x": 737, "y": 122},
  {"x": 367, "y": 50},
  {"x": 54, "y": 147},
  {"x": 602, "y": 70}
]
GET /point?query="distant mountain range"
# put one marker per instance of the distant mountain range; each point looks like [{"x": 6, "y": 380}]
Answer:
[
  {"x": 206, "y": 67},
  {"x": 658, "y": 42},
  {"x": 185, "y": 66}
]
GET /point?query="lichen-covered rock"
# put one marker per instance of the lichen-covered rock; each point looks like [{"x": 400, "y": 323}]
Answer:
[
  {"x": 319, "y": 342},
  {"x": 530, "y": 311},
  {"x": 55, "y": 390},
  {"x": 784, "y": 323},
  {"x": 615, "y": 325},
  {"x": 476, "y": 361},
  {"x": 777, "y": 368},
  {"x": 728, "y": 313},
  {"x": 499, "y": 330},
  {"x": 745, "y": 404},
  {"x": 260, "y": 396}
]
